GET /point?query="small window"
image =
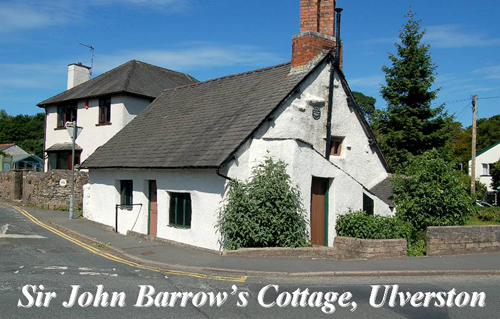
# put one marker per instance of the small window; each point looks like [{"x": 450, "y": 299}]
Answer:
[
  {"x": 368, "y": 204},
  {"x": 66, "y": 113},
  {"x": 336, "y": 146},
  {"x": 105, "y": 111},
  {"x": 486, "y": 169},
  {"x": 180, "y": 210},
  {"x": 126, "y": 188}
]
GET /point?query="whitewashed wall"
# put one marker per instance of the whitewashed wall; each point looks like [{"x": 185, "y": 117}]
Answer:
[
  {"x": 206, "y": 189},
  {"x": 123, "y": 110},
  {"x": 489, "y": 157}
]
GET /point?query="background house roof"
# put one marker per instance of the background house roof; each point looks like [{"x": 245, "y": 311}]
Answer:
[
  {"x": 198, "y": 125},
  {"x": 134, "y": 77},
  {"x": 5, "y": 146},
  {"x": 479, "y": 153}
]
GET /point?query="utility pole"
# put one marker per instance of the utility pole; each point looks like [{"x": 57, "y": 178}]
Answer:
[{"x": 473, "y": 162}]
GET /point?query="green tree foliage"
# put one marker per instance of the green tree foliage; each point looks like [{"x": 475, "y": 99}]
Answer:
[
  {"x": 431, "y": 193},
  {"x": 410, "y": 125},
  {"x": 488, "y": 133},
  {"x": 367, "y": 105},
  {"x": 265, "y": 211},
  {"x": 495, "y": 175},
  {"x": 24, "y": 130}
]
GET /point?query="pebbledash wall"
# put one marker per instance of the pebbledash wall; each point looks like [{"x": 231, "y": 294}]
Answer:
[
  {"x": 292, "y": 136},
  {"x": 43, "y": 190},
  {"x": 123, "y": 110}
]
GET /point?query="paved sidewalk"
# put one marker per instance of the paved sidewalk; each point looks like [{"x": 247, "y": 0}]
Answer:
[{"x": 184, "y": 258}]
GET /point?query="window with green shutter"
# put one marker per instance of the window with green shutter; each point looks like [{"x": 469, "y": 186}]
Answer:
[
  {"x": 180, "y": 210},
  {"x": 126, "y": 193}
]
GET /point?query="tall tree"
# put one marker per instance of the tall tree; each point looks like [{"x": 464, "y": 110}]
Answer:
[
  {"x": 410, "y": 125},
  {"x": 24, "y": 130},
  {"x": 366, "y": 103}
]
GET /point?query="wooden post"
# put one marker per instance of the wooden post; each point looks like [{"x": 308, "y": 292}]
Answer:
[{"x": 473, "y": 162}]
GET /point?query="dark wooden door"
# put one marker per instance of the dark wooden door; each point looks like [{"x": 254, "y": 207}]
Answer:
[
  {"x": 318, "y": 194},
  {"x": 153, "y": 209}
]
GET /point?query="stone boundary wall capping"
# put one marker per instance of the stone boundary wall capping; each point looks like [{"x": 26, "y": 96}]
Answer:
[
  {"x": 456, "y": 240},
  {"x": 49, "y": 190},
  {"x": 355, "y": 248},
  {"x": 302, "y": 252}
]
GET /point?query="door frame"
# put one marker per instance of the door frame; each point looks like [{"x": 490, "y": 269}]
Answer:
[{"x": 149, "y": 205}]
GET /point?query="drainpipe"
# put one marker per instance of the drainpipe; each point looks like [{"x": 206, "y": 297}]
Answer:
[
  {"x": 331, "y": 88},
  {"x": 217, "y": 171}
]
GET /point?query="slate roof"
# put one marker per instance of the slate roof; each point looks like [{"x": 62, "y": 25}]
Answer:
[
  {"x": 199, "y": 125},
  {"x": 134, "y": 77},
  {"x": 384, "y": 191}
]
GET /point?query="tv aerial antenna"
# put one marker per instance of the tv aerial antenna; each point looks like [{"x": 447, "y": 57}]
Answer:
[{"x": 92, "y": 49}]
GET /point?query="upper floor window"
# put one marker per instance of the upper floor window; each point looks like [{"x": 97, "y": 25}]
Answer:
[
  {"x": 66, "y": 113},
  {"x": 105, "y": 110},
  {"x": 368, "y": 204},
  {"x": 486, "y": 169},
  {"x": 336, "y": 146}
]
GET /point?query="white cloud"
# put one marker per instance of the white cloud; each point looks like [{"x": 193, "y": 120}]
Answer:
[
  {"x": 32, "y": 14},
  {"x": 490, "y": 73},
  {"x": 367, "y": 82},
  {"x": 193, "y": 56},
  {"x": 455, "y": 36},
  {"x": 14, "y": 17}
]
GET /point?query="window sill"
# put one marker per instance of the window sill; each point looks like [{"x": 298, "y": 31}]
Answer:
[
  {"x": 103, "y": 124},
  {"x": 179, "y": 227},
  {"x": 59, "y": 128},
  {"x": 483, "y": 175},
  {"x": 126, "y": 207}
]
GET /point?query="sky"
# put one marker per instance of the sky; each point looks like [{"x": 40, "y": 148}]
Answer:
[{"x": 213, "y": 38}]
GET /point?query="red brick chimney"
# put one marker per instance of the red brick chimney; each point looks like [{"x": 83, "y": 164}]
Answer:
[{"x": 317, "y": 31}]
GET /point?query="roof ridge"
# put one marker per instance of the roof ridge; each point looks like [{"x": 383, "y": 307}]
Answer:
[
  {"x": 166, "y": 69},
  {"x": 229, "y": 76},
  {"x": 129, "y": 74},
  {"x": 100, "y": 75}
]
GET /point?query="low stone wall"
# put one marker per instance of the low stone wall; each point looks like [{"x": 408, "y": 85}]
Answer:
[
  {"x": 42, "y": 189},
  {"x": 456, "y": 240},
  {"x": 306, "y": 252},
  {"x": 7, "y": 186},
  {"x": 354, "y": 248}
]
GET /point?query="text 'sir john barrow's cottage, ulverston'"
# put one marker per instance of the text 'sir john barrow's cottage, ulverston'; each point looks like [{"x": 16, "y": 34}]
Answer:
[{"x": 173, "y": 160}]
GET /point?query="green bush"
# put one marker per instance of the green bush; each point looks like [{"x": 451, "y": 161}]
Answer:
[
  {"x": 489, "y": 214},
  {"x": 360, "y": 225},
  {"x": 265, "y": 211},
  {"x": 431, "y": 194}
]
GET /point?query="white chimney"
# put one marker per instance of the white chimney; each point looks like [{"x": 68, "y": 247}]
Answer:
[{"x": 77, "y": 74}]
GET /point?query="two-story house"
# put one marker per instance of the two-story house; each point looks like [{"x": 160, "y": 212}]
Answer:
[
  {"x": 102, "y": 106},
  {"x": 484, "y": 160},
  {"x": 168, "y": 169}
]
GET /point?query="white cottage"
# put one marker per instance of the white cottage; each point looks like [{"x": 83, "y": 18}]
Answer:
[
  {"x": 102, "y": 106},
  {"x": 484, "y": 160},
  {"x": 173, "y": 162}
]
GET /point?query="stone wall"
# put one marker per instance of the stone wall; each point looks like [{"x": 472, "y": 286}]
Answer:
[
  {"x": 6, "y": 186},
  {"x": 457, "y": 240},
  {"x": 40, "y": 189},
  {"x": 354, "y": 248}
]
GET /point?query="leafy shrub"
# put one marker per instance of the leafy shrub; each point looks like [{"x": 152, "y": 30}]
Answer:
[
  {"x": 480, "y": 187},
  {"x": 265, "y": 211},
  {"x": 360, "y": 225},
  {"x": 489, "y": 214},
  {"x": 431, "y": 194}
]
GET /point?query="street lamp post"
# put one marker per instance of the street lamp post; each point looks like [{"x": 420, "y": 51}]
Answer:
[{"x": 73, "y": 131}]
